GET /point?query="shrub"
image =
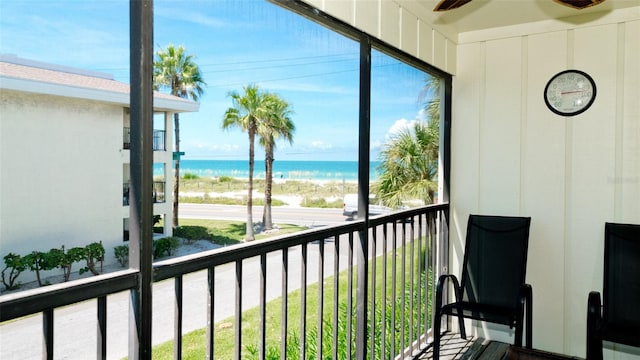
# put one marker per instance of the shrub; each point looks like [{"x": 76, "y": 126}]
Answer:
[
  {"x": 192, "y": 233},
  {"x": 121, "y": 252},
  {"x": 40, "y": 261},
  {"x": 15, "y": 264},
  {"x": 65, "y": 259},
  {"x": 225, "y": 179},
  {"x": 190, "y": 176},
  {"x": 93, "y": 253},
  {"x": 165, "y": 246}
]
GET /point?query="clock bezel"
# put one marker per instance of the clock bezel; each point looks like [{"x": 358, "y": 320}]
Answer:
[{"x": 580, "y": 110}]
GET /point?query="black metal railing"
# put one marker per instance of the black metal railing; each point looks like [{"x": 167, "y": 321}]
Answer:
[
  {"x": 158, "y": 192},
  {"x": 404, "y": 255},
  {"x": 158, "y": 139}
]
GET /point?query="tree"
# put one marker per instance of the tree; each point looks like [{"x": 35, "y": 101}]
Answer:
[
  {"x": 248, "y": 108},
  {"x": 176, "y": 70},
  {"x": 409, "y": 160},
  {"x": 276, "y": 124}
]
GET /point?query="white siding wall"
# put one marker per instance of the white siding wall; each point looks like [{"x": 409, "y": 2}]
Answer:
[
  {"x": 511, "y": 155},
  {"x": 61, "y": 174}
]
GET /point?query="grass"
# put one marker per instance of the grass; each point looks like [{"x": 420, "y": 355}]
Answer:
[{"x": 194, "y": 343}]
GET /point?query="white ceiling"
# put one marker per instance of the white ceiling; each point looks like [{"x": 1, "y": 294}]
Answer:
[{"x": 484, "y": 14}]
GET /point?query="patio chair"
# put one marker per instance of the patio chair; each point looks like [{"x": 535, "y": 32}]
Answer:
[
  {"x": 616, "y": 317},
  {"x": 493, "y": 285}
]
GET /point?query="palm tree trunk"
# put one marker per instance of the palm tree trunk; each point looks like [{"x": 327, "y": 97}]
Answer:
[
  {"x": 176, "y": 174},
  {"x": 249, "y": 233},
  {"x": 268, "y": 181}
]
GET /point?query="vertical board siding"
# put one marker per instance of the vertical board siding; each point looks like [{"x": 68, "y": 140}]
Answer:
[{"x": 543, "y": 195}]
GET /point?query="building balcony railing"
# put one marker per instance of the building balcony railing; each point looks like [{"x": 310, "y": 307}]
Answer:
[
  {"x": 378, "y": 305},
  {"x": 158, "y": 192},
  {"x": 158, "y": 139}
]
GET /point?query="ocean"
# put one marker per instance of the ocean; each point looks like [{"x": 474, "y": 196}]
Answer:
[{"x": 282, "y": 169}]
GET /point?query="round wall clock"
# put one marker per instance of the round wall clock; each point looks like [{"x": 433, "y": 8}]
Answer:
[{"x": 570, "y": 92}]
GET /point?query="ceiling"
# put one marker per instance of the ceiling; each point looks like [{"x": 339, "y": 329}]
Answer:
[{"x": 484, "y": 14}]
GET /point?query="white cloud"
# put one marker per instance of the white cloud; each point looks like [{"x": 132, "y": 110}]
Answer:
[
  {"x": 318, "y": 144},
  {"x": 400, "y": 126}
]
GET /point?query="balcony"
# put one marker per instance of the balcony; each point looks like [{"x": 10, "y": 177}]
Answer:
[
  {"x": 158, "y": 139},
  {"x": 381, "y": 303},
  {"x": 158, "y": 192}
]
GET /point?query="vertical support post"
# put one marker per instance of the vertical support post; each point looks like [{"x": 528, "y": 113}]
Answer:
[
  {"x": 177, "y": 318},
  {"x": 102, "y": 328},
  {"x": 141, "y": 195},
  {"x": 47, "y": 334},
  {"x": 362, "y": 246},
  {"x": 442, "y": 247},
  {"x": 211, "y": 272}
]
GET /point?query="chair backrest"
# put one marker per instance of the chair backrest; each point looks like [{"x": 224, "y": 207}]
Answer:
[
  {"x": 621, "y": 290},
  {"x": 495, "y": 259}
]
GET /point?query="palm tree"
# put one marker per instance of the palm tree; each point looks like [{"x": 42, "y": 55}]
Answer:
[
  {"x": 247, "y": 110},
  {"x": 176, "y": 70},
  {"x": 277, "y": 124},
  {"x": 409, "y": 160}
]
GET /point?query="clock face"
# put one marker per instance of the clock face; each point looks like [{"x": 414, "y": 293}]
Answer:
[{"x": 570, "y": 92}]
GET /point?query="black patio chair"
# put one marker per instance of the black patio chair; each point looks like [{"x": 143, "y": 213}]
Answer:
[
  {"x": 616, "y": 317},
  {"x": 493, "y": 287}
]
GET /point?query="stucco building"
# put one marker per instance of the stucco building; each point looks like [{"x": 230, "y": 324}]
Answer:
[{"x": 63, "y": 128}]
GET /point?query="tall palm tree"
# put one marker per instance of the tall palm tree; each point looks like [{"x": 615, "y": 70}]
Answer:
[
  {"x": 247, "y": 110},
  {"x": 409, "y": 160},
  {"x": 277, "y": 124},
  {"x": 176, "y": 70}
]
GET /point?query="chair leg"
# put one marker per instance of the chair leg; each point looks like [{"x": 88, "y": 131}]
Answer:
[
  {"x": 594, "y": 315},
  {"x": 436, "y": 335},
  {"x": 518, "y": 334},
  {"x": 463, "y": 333}
]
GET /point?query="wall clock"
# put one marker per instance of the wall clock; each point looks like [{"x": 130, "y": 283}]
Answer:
[{"x": 570, "y": 92}]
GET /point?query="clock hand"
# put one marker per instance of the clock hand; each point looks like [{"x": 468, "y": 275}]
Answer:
[{"x": 571, "y": 92}]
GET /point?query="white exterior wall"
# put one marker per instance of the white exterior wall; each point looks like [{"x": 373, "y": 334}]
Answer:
[
  {"x": 60, "y": 174},
  {"x": 511, "y": 155}
]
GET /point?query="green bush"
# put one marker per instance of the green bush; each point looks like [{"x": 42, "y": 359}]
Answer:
[
  {"x": 15, "y": 264},
  {"x": 121, "y": 252},
  {"x": 190, "y": 176},
  {"x": 40, "y": 261},
  {"x": 93, "y": 253},
  {"x": 165, "y": 246},
  {"x": 65, "y": 259},
  {"x": 223, "y": 179},
  {"x": 316, "y": 202},
  {"x": 192, "y": 233}
]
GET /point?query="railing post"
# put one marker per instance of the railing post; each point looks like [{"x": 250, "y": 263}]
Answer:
[
  {"x": 362, "y": 247},
  {"x": 141, "y": 203}
]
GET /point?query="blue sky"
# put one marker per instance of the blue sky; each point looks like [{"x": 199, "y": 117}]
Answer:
[{"x": 235, "y": 42}]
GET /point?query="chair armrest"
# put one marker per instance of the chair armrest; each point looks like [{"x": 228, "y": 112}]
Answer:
[{"x": 440, "y": 288}]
